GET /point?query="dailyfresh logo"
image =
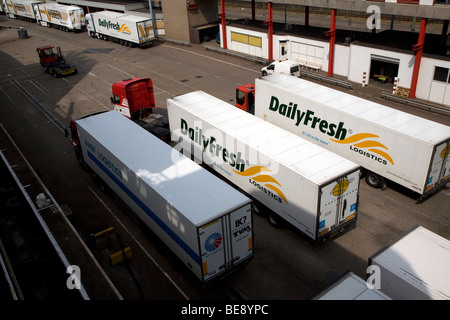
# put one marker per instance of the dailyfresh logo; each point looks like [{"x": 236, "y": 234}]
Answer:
[
  {"x": 264, "y": 182},
  {"x": 253, "y": 165},
  {"x": 368, "y": 148},
  {"x": 108, "y": 24},
  {"x": 116, "y": 26},
  {"x": 210, "y": 144},
  {"x": 361, "y": 143},
  {"x": 307, "y": 118}
]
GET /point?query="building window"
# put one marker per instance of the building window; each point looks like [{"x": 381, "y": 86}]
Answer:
[
  {"x": 441, "y": 74},
  {"x": 246, "y": 39}
]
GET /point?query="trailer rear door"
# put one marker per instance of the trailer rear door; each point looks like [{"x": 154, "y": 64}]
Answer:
[
  {"x": 226, "y": 241},
  {"x": 338, "y": 202},
  {"x": 440, "y": 166},
  {"x": 145, "y": 31}
]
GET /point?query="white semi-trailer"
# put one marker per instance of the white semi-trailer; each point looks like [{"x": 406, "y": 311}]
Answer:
[
  {"x": 409, "y": 150},
  {"x": 64, "y": 17},
  {"x": 415, "y": 267},
  {"x": 125, "y": 29},
  {"x": 202, "y": 219},
  {"x": 350, "y": 287},
  {"x": 313, "y": 189},
  {"x": 22, "y": 9}
]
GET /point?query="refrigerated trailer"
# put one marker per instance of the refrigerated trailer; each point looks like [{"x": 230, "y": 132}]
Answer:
[
  {"x": 406, "y": 149},
  {"x": 23, "y": 9},
  {"x": 125, "y": 29},
  {"x": 203, "y": 220},
  {"x": 414, "y": 267},
  {"x": 313, "y": 189},
  {"x": 350, "y": 287},
  {"x": 64, "y": 17}
]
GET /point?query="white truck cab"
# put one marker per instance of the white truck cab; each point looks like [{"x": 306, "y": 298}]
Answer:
[{"x": 282, "y": 66}]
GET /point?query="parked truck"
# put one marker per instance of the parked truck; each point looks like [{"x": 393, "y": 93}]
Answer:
[
  {"x": 313, "y": 189},
  {"x": 205, "y": 222},
  {"x": 54, "y": 62},
  {"x": 135, "y": 99},
  {"x": 21, "y": 9},
  {"x": 387, "y": 143},
  {"x": 126, "y": 29},
  {"x": 63, "y": 17},
  {"x": 415, "y": 267}
]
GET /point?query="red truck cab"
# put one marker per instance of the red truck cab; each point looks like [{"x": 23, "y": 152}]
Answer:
[
  {"x": 133, "y": 97},
  {"x": 245, "y": 98},
  {"x": 46, "y": 55}
]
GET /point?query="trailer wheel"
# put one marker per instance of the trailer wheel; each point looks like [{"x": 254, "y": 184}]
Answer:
[
  {"x": 274, "y": 220},
  {"x": 373, "y": 179},
  {"x": 81, "y": 162},
  {"x": 259, "y": 209}
]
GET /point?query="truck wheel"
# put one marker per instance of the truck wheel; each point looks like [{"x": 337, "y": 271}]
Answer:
[
  {"x": 258, "y": 209},
  {"x": 274, "y": 220},
  {"x": 82, "y": 163},
  {"x": 373, "y": 179},
  {"x": 264, "y": 73}
]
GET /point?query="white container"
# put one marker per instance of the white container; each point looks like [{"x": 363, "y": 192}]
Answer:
[
  {"x": 54, "y": 14},
  {"x": 409, "y": 150},
  {"x": 313, "y": 189},
  {"x": 119, "y": 27},
  {"x": 350, "y": 287},
  {"x": 415, "y": 267},
  {"x": 20, "y": 8},
  {"x": 203, "y": 220}
]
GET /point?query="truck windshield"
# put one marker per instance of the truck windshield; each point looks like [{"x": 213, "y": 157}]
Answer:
[
  {"x": 115, "y": 99},
  {"x": 48, "y": 53},
  {"x": 240, "y": 97}
]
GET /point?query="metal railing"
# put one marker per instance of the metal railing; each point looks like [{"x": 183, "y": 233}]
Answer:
[{"x": 416, "y": 104}]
